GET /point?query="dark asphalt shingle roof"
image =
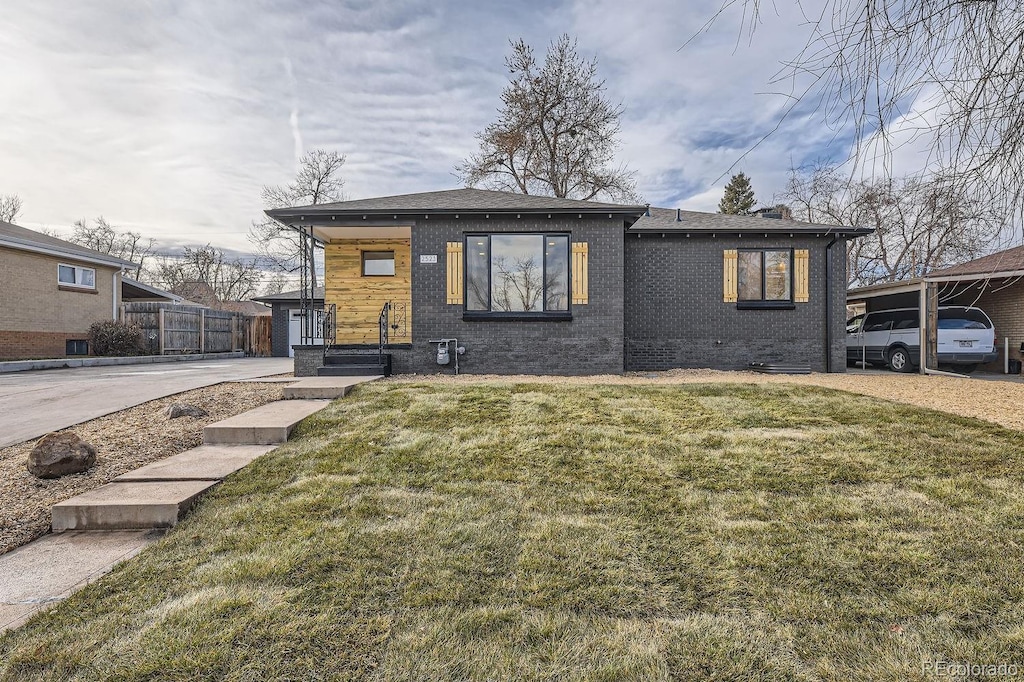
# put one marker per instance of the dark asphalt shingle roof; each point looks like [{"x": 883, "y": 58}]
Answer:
[
  {"x": 1010, "y": 260},
  {"x": 468, "y": 200},
  {"x": 664, "y": 220},
  {"x": 16, "y": 235},
  {"x": 286, "y": 296}
]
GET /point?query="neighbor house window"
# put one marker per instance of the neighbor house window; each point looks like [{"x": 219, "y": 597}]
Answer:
[
  {"x": 76, "y": 347},
  {"x": 74, "y": 276},
  {"x": 378, "y": 263},
  {"x": 517, "y": 274},
  {"x": 765, "y": 275}
]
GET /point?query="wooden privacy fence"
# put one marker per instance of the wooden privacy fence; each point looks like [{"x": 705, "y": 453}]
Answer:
[
  {"x": 257, "y": 335},
  {"x": 168, "y": 328}
]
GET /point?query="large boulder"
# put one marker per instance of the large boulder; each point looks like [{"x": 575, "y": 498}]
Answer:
[
  {"x": 176, "y": 410},
  {"x": 59, "y": 454}
]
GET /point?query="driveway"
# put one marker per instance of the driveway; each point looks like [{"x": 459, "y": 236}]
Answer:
[{"x": 34, "y": 403}]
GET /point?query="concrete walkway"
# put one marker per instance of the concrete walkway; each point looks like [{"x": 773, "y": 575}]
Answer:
[
  {"x": 323, "y": 388},
  {"x": 35, "y": 403},
  {"x": 48, "y": 570},
  {"x": 116, "y": 521}
]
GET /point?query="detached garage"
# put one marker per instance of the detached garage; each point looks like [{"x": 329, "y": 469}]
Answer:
[{"x": 288, "y": 329}]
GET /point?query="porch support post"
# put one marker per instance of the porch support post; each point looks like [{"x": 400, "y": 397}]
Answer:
[{"x": 922, "y": 303}]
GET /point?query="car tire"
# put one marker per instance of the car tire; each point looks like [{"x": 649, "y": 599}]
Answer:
[{"x": 899, "y": 360}]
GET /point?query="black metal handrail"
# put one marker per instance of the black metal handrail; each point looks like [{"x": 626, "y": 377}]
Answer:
[
  {"x": 330, "y": 328},
  {"x": 382, "y": 322}
]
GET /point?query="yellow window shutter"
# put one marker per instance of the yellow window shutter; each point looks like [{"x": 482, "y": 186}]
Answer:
[
  {"x": 801, "y": 282},
  {"x": 729, "y": 277},
  {"x": 454, "y": 273},
  {"x": 580, "y": 286}
]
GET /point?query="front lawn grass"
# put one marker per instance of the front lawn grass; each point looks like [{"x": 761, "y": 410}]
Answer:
[{"x": 544, "y": 532}]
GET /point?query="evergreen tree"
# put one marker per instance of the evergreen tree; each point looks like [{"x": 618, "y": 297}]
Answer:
[{"x": 739, "y": 196}]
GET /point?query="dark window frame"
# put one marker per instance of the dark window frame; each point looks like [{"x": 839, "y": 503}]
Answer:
[
  {"x": 468, "y": 314},
  {"x": 362, "y": 262},
  {"x": 76, "y": 347},
  {"x": 766, "y": 303}
]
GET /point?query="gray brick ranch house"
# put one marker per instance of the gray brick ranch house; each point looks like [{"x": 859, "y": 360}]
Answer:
[{"x": 541, "y": 285}]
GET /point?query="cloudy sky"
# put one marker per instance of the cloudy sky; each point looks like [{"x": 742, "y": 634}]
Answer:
[{"x": 167, "y": 117}]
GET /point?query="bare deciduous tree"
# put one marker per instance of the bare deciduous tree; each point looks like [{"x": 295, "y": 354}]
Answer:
[
  {"x": 519, "y": 284},
  {"x": 10, "y": 207},
  {"x": 275, "y": 284},
  {"x": 556, "y": 131},
  {"x": 100, "y": 235},
  {"x": 318, "y": 181},
  {"x": 228, "y": 279},
  {"x": 921, "y": 224},
  {"x": 960, "y": 63}
]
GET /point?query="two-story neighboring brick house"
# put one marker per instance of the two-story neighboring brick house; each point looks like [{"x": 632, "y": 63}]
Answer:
[
  {"x": 531, "y": 284},
  {"x": 51, "y": 291}
]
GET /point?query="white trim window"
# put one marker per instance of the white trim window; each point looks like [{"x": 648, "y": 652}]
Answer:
[{"x": 76, "y": 276}]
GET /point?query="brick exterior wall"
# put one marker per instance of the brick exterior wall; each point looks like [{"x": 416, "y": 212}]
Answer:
[
  {"x": 675, "y": 315},
  {"x": 22, "y": 345},
  {"x": 36, "y": 317},
  {"x": 279, "y": 329},
  {"x": 590, "y": 343}
]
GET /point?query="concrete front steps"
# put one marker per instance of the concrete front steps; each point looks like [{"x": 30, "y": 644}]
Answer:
[
  {"x": 324, "y": 387},
  {"x": 128, "y": 506},
  {"x": 268, "y": 424},
  {"x": 159, "y": 494}
]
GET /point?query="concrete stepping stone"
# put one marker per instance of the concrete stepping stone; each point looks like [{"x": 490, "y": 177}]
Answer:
[
  {"x": 265, "y": 425},
  {"x": 49, "y": 569},
  {"x": 328, "y": 388},
  {"x": 129, "y": 505},
  {"x": 204, "y": 463}
]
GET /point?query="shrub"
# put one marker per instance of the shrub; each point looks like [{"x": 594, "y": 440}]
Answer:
[{"x": 112, "y": 337}]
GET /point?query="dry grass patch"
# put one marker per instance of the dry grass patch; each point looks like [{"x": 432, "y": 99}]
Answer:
[{"x": 538, "y": 532}]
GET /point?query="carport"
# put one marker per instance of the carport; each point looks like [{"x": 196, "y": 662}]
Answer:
[{"x": 994, "y": 283}]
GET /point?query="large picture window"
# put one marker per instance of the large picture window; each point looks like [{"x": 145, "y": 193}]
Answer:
[
  {"x": 765, "y": 275},
  {"x": 525, "y": 274}
]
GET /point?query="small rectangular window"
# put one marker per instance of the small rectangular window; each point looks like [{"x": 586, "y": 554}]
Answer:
[
  {"x": 378, "y": 263},
  {"x": 765, "y": 275},
  {"x": 75, "y": 276},
  {"x": 76, "y": 347}
]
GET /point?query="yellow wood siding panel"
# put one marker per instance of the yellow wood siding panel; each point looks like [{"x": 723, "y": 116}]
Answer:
[
  {"x": 454, "y": 273},
  {"x": 730, "y": 282},
  {"x": 801, "y": 283},
  {"x": 359, "y": 299},
  {"x": 580, "y": 285}
]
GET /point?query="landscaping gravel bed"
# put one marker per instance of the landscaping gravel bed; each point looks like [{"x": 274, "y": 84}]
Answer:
[
  {"x": 996, "y": 401},
  {"x": 124, "y": 441}
]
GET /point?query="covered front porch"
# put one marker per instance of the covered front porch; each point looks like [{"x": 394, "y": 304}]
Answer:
[{"x": 365, "y": 309}]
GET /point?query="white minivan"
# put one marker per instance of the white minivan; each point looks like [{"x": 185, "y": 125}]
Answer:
[{"x": 966, "y": 338}]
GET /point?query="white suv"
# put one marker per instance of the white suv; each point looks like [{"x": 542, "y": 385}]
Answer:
[{"x": 966, "y": 338}]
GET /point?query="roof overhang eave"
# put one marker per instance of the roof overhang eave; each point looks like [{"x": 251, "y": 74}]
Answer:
[
  {"x": 291, "y": 215},
  {"x": 804, "y": 230},
  {"x": 35, "y": 247}
]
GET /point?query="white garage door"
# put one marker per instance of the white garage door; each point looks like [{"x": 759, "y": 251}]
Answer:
[{"x": 295, "y": 329}]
